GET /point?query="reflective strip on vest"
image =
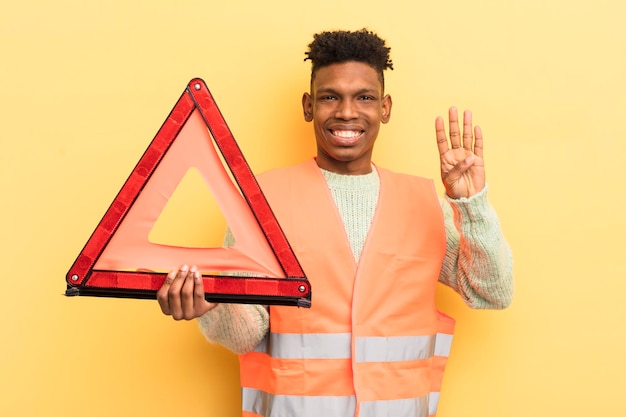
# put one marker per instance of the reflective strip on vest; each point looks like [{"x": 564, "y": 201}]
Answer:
[
  {"x": 309, "y": 346},
  {"x": 368, "y": 349},
  {"x": 409, "y": 407},
  {"x": 259, "y": 403},
  {"x": 443, "y": 344},
  {"x": 433, "y": 403},
  {"x": 337, "y": 346},
  {"x": 394, "y": 349}
]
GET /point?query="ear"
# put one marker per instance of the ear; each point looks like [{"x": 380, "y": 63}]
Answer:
[
  {"x": 307, "y": 107},
  {"x": 386, "y": 110}
]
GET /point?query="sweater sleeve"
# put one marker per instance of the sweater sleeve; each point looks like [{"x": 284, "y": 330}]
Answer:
[
  {"x": 478, "y": 263},
  {"x": 238, "y": 327}
]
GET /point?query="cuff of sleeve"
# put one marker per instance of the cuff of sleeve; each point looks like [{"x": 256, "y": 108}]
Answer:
[
  {"x": 210, "y": 317},
  {"x": 473, "y": 208}
]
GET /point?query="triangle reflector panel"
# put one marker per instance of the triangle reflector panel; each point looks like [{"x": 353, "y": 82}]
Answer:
[{"x": 118, "y": 260}]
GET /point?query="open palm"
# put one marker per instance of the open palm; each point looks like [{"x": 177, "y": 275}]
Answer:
[{"x": 462, "y": 164}]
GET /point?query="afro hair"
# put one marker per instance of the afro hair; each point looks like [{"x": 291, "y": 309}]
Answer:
[{"x": 340, "y": 46}]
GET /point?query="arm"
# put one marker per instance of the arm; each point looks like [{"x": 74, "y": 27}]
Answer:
[
  {"x": 238, "y": 327},
  {"x": 478, "y": 261}
]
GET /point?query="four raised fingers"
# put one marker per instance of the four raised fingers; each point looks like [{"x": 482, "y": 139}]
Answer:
[{"x": 471, "y": 136}]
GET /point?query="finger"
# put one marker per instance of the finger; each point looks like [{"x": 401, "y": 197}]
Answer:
[
  {"x": 186, "y": 294},
  {"x": 467, "y": 130},
  {"x": 440, "y": 133},
  {"x": 455, "y": 134},
  {"x": 201, "y": 304},
  {"x": 162, "y": 293},
  {"x": 174, "y": 293},
  {"x": 198, "y": 291},
  {"x": 478, "y": 141}
]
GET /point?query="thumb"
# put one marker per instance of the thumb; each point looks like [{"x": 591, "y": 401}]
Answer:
[{"x": 459, "y": 169}]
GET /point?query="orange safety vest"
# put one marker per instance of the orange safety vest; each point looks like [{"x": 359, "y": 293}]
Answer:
[{"x": 373, "y": 344}]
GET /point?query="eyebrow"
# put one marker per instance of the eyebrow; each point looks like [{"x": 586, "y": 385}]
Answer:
[{"x": 326, "y": 90}]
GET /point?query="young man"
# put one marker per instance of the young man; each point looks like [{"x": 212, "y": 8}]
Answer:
[{"x": 373, "y": 244}]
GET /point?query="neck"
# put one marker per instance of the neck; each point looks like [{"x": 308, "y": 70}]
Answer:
[{"x": 345, "y": 168}]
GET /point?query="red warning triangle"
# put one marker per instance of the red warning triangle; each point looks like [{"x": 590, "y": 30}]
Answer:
[{"x": 118, "y": 260}]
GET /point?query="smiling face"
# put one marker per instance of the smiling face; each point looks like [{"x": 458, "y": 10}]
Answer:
[{"x": 346, "y": 106}]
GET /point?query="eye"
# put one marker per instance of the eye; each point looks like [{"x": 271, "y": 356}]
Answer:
[
  {"x": 327, "y": 98},
  {"x": 367, "y": 98}
]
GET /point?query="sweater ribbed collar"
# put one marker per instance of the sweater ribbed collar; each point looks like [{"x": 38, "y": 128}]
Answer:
[{"x": 352, "y": 182}]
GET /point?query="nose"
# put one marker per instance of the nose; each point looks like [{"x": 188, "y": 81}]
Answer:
[{"x": 346, "y": 110}]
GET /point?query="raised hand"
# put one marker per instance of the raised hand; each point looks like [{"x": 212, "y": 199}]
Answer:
[{"x": 462, "y": 164}]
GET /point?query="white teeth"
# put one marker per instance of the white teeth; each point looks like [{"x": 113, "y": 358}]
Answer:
[{"x": 346, "y": 133}]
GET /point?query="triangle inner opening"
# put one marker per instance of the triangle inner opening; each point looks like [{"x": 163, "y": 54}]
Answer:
[{"x": 191, "y": 218}]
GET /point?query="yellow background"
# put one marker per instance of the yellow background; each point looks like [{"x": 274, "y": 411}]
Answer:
[{"x": 85, "y": 85}]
